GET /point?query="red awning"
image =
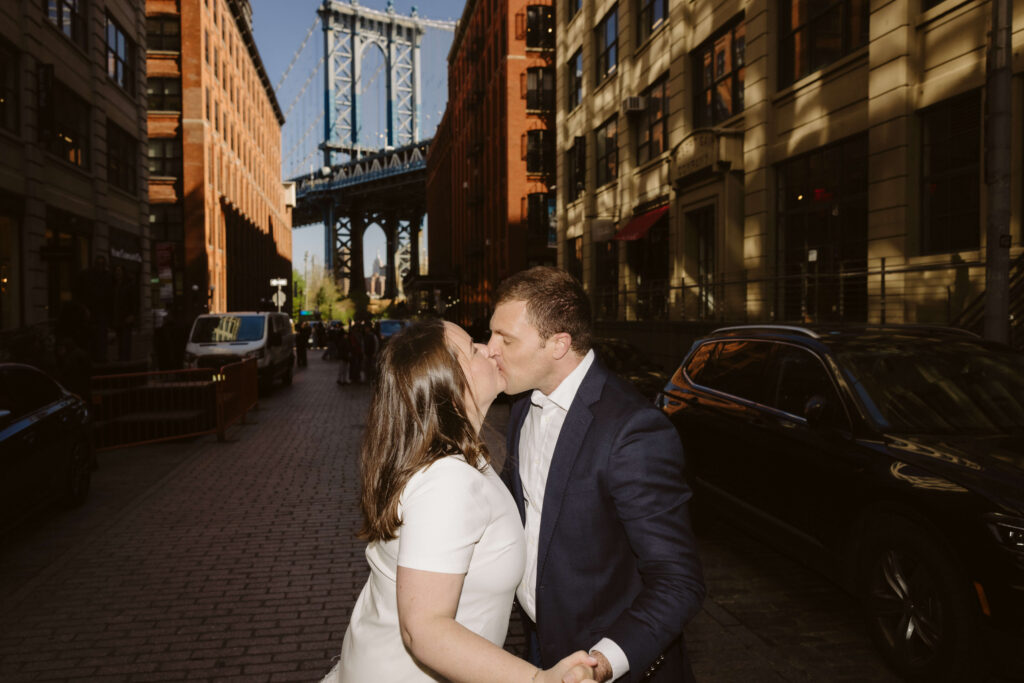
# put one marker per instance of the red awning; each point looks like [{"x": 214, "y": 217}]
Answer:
[{"x": 638, "y": 227}]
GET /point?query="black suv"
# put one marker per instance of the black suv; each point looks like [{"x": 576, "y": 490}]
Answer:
[{"x": 890, "y": 458}]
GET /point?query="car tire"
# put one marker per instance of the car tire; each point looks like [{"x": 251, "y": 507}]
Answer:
[
  {"x": 79, "y": 476},
  {"x": 919, "y": 607}
]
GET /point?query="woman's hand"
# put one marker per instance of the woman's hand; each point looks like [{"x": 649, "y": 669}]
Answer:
[{"x": 576, "y": 668}]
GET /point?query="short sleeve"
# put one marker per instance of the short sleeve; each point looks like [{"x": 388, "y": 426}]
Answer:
[{"x": 444, "y": 514}]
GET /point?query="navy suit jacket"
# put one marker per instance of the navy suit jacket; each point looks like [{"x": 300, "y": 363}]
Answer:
[{"x": 616, "y": 553}]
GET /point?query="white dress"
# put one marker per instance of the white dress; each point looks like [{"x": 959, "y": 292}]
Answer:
[{"x": 455, "y": 519}]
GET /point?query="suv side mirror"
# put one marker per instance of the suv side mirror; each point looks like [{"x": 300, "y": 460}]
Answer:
[{"x": 815, "y": 411}]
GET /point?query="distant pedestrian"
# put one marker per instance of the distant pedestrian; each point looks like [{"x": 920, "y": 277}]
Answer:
[
  {"x": 355, "y": 348},
  {"x": 301, "y": 344},
  {"x": 124, "y": 310},
  {"x": 344, "y": 352},
  {"x": 370, "y": 346}
]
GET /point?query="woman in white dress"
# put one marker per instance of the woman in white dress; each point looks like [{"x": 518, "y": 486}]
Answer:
[{"x": 446, "y": 547}]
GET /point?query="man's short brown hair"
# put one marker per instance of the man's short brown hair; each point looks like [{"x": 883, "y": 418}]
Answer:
[{"x": 555, "y": 302}]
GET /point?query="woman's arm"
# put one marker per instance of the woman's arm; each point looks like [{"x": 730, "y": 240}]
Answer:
[{"x": 427, "y": 602}]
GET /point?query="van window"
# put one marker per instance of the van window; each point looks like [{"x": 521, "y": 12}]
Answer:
[
  {"x": 733, "y": 367},
  {"x": 229, "y": 328}
]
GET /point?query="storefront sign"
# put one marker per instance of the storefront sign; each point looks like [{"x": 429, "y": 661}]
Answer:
[{"x": 126, "y": 247}]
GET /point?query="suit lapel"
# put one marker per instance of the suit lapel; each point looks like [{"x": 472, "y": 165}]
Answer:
[
  {"x": 567, "y": 450},
  {"x": 514, "y": 481}
]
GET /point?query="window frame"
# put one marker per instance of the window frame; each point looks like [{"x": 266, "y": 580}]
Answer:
[
  {"x": 953, "y": 177},
  {"x": 65, "y": 124},
  {"x": 122, "y": 158},
  {"x": 540, "y": 27},
  {"x": 705, "y": 114},
  {"x": 606, "y": 52},
  {"x": 576, "y": 170},
  {"x": 70, "y": 17},
  {"x": 158, "y": 41},
  {"x": 810, "y": 33},
  {"x": 606, "y": 157},
  {"x": 574, "y": 69},
  {"x": 10, "y": 92},
  {"x": 160, "y": 164},
  {"x": 160, "y": 101},
  {"x": 648, "y": 23},
  {"x": 650, "y": 120},
  {"x": 539, "y": 97},
  {"x": 537, "y": 152},
  {"x": 121, "y": 56}
]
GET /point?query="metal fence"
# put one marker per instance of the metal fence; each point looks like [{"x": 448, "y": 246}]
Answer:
[
  {"x": 882, "y": 291},
  {"x": 147, "y": 407}
]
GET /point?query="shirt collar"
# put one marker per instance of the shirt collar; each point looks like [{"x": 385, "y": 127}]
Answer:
[{"x": 565, "y": 392}]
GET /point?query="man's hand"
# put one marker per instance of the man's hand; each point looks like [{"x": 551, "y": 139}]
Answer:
[
  {"x": 578, "y": 674},
  {"x": 603, "y": 670}
]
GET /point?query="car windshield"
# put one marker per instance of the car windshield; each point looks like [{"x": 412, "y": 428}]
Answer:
[
  {"x": 948, "y": 387},
  {"x": 228, "y": 328}
]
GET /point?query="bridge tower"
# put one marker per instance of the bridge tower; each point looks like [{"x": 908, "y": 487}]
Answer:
[{"x": 349, "y": 30}]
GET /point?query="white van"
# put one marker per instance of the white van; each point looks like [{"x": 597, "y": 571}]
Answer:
[{"x": 218, "y": 339}]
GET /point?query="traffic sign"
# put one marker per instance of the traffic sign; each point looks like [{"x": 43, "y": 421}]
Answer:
[
  {"x": 278, "y": 282},
  {"x": 278, "y": 298}
]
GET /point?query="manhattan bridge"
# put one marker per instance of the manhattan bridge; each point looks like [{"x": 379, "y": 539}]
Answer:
[{"x": 352, "y": 143}]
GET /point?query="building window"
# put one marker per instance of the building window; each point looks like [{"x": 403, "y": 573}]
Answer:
[
  {"x": 576, "y": 169},
  {"x": 606, "y": 280},
  {"x": 652, "y": 131},
  {"x": 63, "y": 120},
  {"x": 574, "y": 257},
  {"x": 120, "y": 57},
  {"x": 815, "y": 33},
  {"x": 165, "y": 157},
  {"x": 166, "y": 222},
  {"x": 122, "y": 158},
  {"x": 652, "y": 14},
  {"x": 607, "y": 42},
  {"x": 163, "y": 33},
  {"x": 720, "y": 68},
  {"x": 951, "y": 140},
  {"x": 69, "y": 16},
  {"x": 540, "y": 88},
  {"x": 540, "y": 213},
  {"x": 606, "y": 151},
  {"x": 539, "y": 148},
  {"x": 649, "y": 263},
  {"x": 822, "y": 232},
  {"x": 8, "y": 87},
  {"x": 572, "y": 8},
  {"x": 540, "y": 27},
  {"x": 575, "y": 79},
  {"x": 164, "y": 94}
]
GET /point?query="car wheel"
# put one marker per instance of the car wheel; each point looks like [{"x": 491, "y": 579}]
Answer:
[
  {"x": 919, "y": 608},
  {"x": 79, "y": 476}
]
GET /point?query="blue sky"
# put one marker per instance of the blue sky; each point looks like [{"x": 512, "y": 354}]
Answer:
[{"x": 279, "y": 27}]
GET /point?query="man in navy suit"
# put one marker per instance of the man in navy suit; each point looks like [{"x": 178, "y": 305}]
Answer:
[{"x": 597, "y": 473}]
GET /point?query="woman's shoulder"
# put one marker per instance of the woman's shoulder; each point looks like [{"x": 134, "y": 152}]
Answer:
[{"x": 450, "y": 471}]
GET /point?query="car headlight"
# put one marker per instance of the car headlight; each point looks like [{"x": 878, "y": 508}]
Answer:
[{"x": 1008, "y": 532}]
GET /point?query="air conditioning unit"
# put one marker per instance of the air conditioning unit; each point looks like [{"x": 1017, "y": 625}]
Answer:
[{"x": 635, "y": 105}]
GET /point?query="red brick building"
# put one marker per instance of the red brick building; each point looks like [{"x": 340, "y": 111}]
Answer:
[
  {"x": 220, "y": 216},
  {"x": 491, "y": 169}
]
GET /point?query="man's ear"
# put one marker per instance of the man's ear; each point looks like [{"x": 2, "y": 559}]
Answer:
[{"x": 561, "y": 344}]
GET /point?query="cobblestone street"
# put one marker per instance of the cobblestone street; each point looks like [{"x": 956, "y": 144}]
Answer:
[{"x": 238, "y": 561}]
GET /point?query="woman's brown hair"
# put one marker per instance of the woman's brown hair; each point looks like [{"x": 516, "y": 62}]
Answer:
[{"x": 417, "y": 416}]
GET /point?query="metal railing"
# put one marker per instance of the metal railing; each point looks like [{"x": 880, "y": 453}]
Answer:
[
  {"x": 148, "y": 407},
  {"x": 880, "y": 291}
]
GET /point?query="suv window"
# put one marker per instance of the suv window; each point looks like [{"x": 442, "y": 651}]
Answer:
[
  {"x": 732, "y": 367},
  {"x": 26, "y": 391},
  {"x": 796, "y": 376}
]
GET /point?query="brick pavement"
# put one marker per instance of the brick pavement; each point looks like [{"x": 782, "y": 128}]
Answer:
[{"x": 238, "y": 561}]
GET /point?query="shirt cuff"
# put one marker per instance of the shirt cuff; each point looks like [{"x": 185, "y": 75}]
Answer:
[{"x": 615, "y": 656}]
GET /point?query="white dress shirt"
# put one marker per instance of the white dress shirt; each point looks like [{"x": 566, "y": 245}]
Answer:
[{"x": 537, "y": 441}]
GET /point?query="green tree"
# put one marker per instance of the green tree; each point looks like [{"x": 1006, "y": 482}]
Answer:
[{"x": 298, "y": 293}]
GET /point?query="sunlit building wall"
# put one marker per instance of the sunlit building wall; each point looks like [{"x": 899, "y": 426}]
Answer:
[
  {"x": 221, "y": 216},
  {"x": 792, "y": 161}
]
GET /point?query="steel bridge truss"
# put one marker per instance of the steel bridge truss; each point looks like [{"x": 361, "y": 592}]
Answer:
[{"x": 349, "y": 30}]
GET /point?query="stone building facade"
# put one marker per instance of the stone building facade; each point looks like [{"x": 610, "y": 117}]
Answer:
[
  {"x": 72, "y": 170},
  {"x": 753, "y": 160}
]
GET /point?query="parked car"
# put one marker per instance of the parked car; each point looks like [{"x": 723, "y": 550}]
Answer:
[
  {"x": 218, "y": 339},
  {"x": 629, "y": 363},
  {"x": 892, "y": 459},
  {"x": 45, "y": 444}
]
